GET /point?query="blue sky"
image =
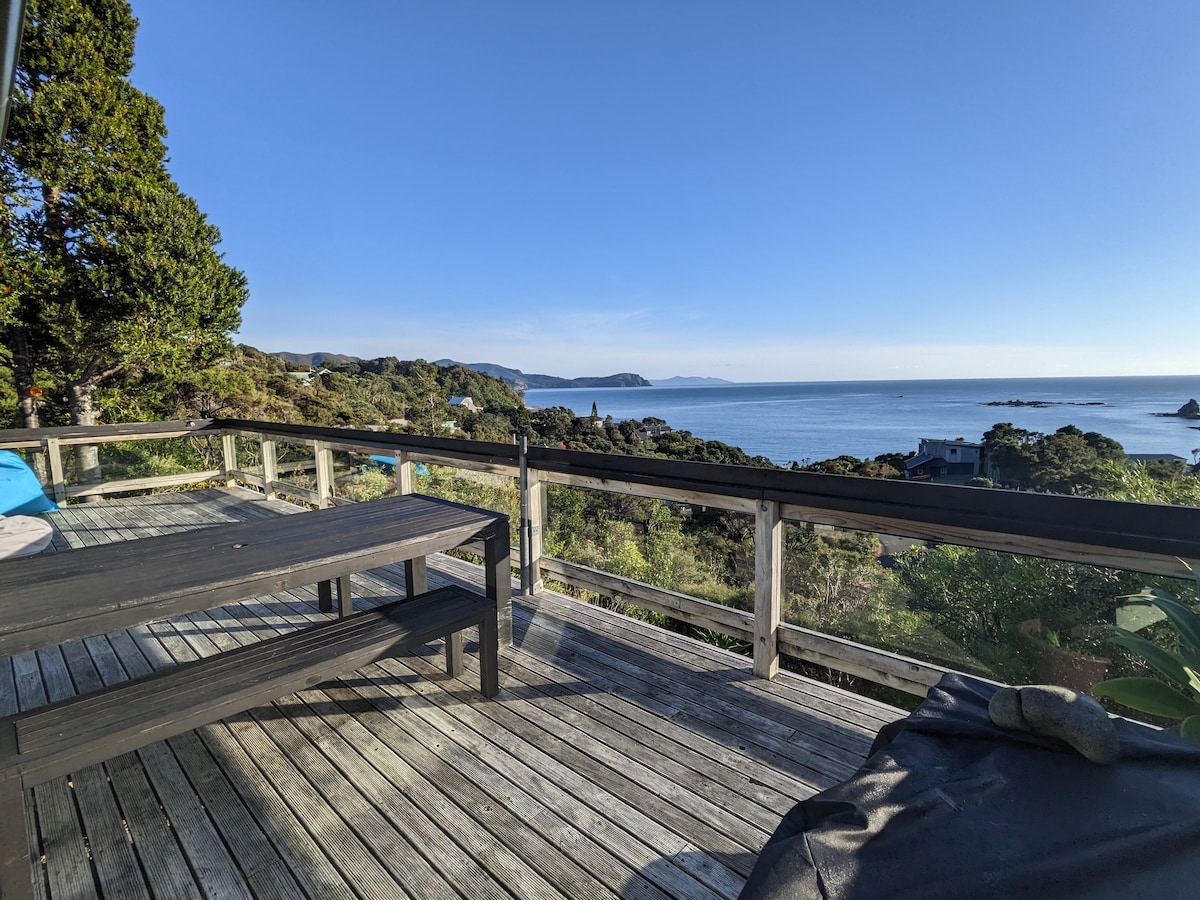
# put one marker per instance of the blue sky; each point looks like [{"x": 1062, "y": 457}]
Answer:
[{"x": 757, "y": 190}]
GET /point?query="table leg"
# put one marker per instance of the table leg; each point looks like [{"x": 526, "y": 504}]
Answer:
[
  {"x": 416, "y": 577},
  {"x": 498, "y": 581},
  {"x": 324, "y": 596}
]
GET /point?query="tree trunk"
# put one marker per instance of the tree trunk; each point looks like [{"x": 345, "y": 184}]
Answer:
[
  {"x": 87, "y": 458},
  {"x": 26, "y": 402}
]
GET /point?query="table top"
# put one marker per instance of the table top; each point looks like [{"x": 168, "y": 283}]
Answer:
[{"x": 61, "y": 596}]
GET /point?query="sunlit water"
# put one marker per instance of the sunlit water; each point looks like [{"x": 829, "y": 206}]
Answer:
[{"x": 819, "y": 420}]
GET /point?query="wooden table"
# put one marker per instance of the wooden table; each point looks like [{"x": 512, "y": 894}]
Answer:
[{"x": 65, "y": 596}]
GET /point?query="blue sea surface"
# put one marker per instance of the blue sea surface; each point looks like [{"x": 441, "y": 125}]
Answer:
[{"x": 819, "y": 420}]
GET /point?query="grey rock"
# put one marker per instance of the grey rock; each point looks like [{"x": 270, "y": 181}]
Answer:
[{"x": 1058, "y": 712}]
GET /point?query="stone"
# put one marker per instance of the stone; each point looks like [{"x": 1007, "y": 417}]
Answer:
[{"x": 1061, "y": 713}]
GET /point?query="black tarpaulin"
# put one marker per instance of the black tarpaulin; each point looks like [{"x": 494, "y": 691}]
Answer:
[{"x": 950, "y": 806}]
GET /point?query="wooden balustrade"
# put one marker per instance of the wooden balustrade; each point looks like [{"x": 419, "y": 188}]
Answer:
[{"x": 1139, "y": 537}]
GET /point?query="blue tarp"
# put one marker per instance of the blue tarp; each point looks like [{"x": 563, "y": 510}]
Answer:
[
  {"x": 20, "y": 491},
  {"x": 389, "y": 462}
]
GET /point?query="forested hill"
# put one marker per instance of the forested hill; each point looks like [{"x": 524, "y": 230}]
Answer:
[
  {"x": 408, "y": 396},
  {"x": 522, "y": 380},
  {"x": 316, "y": 359}
]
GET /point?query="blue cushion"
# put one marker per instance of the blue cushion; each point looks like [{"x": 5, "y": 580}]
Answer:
[{"x": 20, "y": 491}]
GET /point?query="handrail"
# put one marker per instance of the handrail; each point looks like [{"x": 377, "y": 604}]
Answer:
[{"x": 1151, "y": 538}]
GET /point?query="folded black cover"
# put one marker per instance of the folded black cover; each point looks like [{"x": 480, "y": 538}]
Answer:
[{"x": 950, "y": 806}]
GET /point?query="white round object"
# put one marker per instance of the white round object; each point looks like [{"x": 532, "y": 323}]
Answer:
[{"x": 24, "y": 535}]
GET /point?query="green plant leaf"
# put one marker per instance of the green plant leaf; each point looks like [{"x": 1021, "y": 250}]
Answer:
[
  {"x": 1149, "y": 696},
  {"x": 1168, "y": 663},
  {"x": 1190, "y": 729},
  {"x": 1186, "y": 622}
]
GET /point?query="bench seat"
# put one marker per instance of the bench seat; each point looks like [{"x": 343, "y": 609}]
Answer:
[{"x": 54, "y": 740}]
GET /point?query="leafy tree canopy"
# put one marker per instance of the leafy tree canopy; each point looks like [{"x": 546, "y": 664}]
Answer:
[{"x": 110, "y": 272}]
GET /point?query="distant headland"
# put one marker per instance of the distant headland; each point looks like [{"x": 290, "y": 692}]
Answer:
[
  {"x": 689, "y": 381},
  {"x": 515, "y": 378},
  {"x": 521, "y": 381}
]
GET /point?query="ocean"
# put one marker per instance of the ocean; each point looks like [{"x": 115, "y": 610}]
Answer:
[{"x": 819, "y": 420}]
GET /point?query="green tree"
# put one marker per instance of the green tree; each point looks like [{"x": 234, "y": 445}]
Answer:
[{"x": 111, "y": 271}]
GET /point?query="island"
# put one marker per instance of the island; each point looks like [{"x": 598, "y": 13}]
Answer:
[{"x": 1189, "y": 410}]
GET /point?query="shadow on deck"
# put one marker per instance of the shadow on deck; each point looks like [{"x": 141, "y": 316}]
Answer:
[{"x": 618, "y": 759}]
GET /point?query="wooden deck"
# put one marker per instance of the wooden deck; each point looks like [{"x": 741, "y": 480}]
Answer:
[{"x": 618, "y": 759}]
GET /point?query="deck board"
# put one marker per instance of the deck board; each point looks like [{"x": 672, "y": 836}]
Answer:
[{"x": 618, "y": 759}]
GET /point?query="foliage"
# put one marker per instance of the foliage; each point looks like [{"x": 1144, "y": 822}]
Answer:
[
  {"x": 978, "y": 599},
  {"x": 1142, "y": 483},
  {"x": 1065, "y": 462},
  {"x": 111, "y": 271},
  {"x": 889, "y": 465},
  {"x": 1176, "y": 693}
]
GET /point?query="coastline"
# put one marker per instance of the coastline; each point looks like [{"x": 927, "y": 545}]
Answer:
[{"x": 800, "y": 421}]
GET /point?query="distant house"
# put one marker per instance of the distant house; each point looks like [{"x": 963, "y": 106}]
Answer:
[
  {"x": 941, "y": 458},
  {"x": 652, "y": 432},
  {"x": 1154, "y": 457},
  {"x": 308, "y": 377},
  {"x": 589, "y": 422},
  {"x": 465, "y": 402}
]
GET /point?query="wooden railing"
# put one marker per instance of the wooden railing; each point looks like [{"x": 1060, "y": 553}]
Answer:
[{"x": 1138, "y": 537}]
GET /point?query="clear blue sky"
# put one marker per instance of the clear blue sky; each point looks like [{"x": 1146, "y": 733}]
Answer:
[{"x": 754, "y": 190}]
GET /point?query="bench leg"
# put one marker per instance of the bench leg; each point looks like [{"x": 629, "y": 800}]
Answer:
[
  {"x": 489, "y": 662},
  {"x": 345, "y": 606},
  {"x": 454, "y": 654},
  {"x": 15, "y": 878},
  {"x": 324, "y": 596},
  {"x": 416, "y": 577}
]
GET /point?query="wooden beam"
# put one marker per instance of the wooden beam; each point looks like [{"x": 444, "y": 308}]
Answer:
[
  {"x": 404, "y": 472},
  {"x": 11, "y": 438},
  {"x": 143, "y": 484},
  {"x": 229, "y": 455},
  {"x": 871, "y": 663},
  {"x": 270, "y": 468},
  {"x": 324, "y": 460},
  {"x": 1086, "y": 554},
  {"x": 692, "y": 610},
  {"x": 650, "y": 491},
  {"x": 59, "y": 482},
  {"x": 768, "y": 588}
]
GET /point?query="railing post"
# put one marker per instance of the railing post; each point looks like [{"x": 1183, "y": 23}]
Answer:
[
  {"x": 324, "y": 458},
  {"x": 768, "y": 587},
  {"x": 229, "y": 455},
  {"x": 532, "y": 519},
  {"x": 270, "y": 471},
  {"x": 404, "y": 473},
  {"x": 58, "y": 482}
]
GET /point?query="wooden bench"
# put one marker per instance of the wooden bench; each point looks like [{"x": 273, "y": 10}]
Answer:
[
  {"x": 59, "y": 597},
  {"x": 50, "y": 741}
]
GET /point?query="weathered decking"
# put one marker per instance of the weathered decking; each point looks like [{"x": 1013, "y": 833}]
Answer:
[{"x": 618, "y": 759}]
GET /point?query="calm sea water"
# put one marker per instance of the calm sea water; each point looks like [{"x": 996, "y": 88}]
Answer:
[{"x": 819, "y": 420}]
